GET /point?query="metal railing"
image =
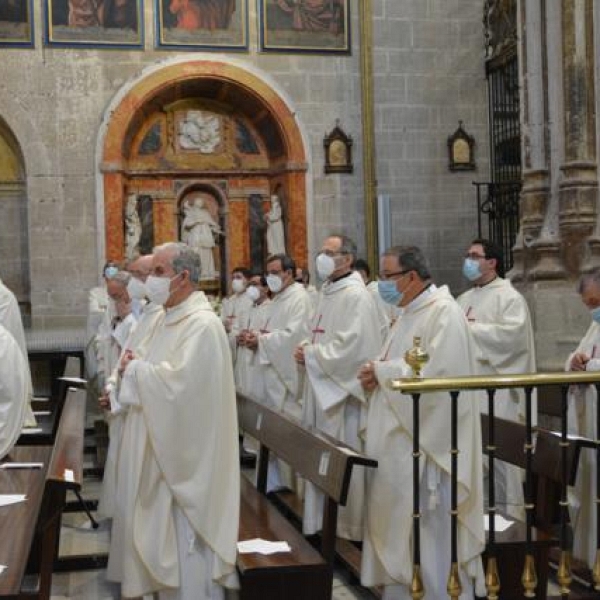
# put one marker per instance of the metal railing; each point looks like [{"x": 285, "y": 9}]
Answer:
[{"x": 416, "y": 387}]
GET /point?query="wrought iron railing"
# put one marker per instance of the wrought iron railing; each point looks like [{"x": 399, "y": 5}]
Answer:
[
  {"x": 454, "y": 386},
  {"x": 498, "y": 215}
]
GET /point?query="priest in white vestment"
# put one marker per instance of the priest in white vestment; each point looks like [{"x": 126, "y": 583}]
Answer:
[
  {"x": 582, "y": 415},
  {"x": 235, "y": 308},
  {"x": 344, "y": 332},
  {"x": 303, "y": 277},
  {"x": 433, "y": 315},
  {"x": 500, "y": 324},
  {"x": 274, "y": 347},
  {"x": 185, "y": 516},
  {"x": 14, "y": 391},
  {"x": 247, "y": 370},
  {"x": 123, "y": 473},
  {"x": 112, "y": 341},
  {"x": 10, "y": 319},
  {"x": 98, "y": 303}
]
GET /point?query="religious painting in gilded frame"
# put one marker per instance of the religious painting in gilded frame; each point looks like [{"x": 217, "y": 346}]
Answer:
[
  {"x": 318, "y": 26},
  {"x": 94, "y": 23},
  {"x": 202, "y": 24},
  {"x": 16, "y": 23}
]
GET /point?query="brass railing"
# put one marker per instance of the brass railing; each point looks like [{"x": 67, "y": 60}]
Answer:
[{"x": 528, "y": 382}]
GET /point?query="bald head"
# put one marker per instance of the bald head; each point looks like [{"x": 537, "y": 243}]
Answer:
[{"x": 141, "y": 267}]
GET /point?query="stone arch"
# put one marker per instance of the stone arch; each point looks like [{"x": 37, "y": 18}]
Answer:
[
  {"x": 234, "y": 90},
  {"x": 14, "y": 218}
]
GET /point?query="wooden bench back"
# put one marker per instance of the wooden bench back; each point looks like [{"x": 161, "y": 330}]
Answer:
[
  {"x": 324, "y": 461},
  {"x": 546, "y": 463}
]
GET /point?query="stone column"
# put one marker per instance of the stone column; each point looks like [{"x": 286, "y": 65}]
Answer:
[{"x": 578, "y": 189}]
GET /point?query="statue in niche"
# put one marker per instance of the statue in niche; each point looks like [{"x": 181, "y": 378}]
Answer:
[
  {"x": 275, "y": 234},
  {"x": 133, "y": 228},
  {"x": 198, "y": 230},
  {"x": 200, "y": 131}
]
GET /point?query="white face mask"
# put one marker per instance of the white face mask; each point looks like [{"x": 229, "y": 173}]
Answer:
[
  {"x": 157, "y": 289},
  {"x": 253, "y": 293},
  {"x": 238, "y": 286},
  {"x": 136, "y": 289},
  {"x": 325, "y": 266},
  {"x": 275, "y": 283}
]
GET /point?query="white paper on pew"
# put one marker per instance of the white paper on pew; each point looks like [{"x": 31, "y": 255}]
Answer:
[
  {"x": 69, "y": 475},
  {"x": 501, "y": 524},
  {"x": 41, "y": 413},
  {"x": 2, "y": 568},
  {"x": 73, "y": 379},
  {"x": 571, "y": 436},
  {"x": 260, "y": 546},
  {"x": 21, "y": 465},
  {"x": 31, "y": 430},
  {"x": 7, "y": 499}
]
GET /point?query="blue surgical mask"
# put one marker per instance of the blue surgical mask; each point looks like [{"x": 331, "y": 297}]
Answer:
[
  {"x": 389, "y": 292},
  {"x": 110, "y": 272},
  {"x": 595, "y": 314},
  {"x": 471, "y": 269}
]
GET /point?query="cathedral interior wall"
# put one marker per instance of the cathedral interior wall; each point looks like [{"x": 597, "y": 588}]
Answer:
[{"x": 429, "y": 74}]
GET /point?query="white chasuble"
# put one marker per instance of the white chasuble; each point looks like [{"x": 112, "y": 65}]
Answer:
[
  {"x": 287, "y": 327},
  {"x": 234, "y": 315},
  {"x": 114, "y": 497},
  {"x": 499, "y": 321},
  {"x": 184, "y": 457},
  {"x": 582, "y": 415},
  {"x": 10, "y": 319},
  {"x": 345, "y": 332},
  {"x": 247, "y": 370},
  {"x": 14, "y": 391},
  {"x": 437, "y": 319}
]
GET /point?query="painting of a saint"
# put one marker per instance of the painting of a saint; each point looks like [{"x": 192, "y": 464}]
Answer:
[
  {"x": 305, "y": 25},
  {"x": 202, "y": 23},
  {"x": 16, "y": 23},
  {"x": 95, "y": 23}
]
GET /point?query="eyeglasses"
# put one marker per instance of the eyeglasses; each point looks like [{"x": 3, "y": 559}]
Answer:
[
  {"x": 474, "y": 256},
  {"x": 386, "y": 276}
]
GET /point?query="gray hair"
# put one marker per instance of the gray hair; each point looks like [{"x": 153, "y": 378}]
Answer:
[
  {"x": 122, "y": 277},
  {"x": 184, "y": 259},
  {"x": 410, "y": 258},
  {"x": 591, "y": 278},
  {"x": 347, "y": 245}
]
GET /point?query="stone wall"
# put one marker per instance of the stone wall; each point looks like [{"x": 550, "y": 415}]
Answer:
[{"x": 428, "y": 75}]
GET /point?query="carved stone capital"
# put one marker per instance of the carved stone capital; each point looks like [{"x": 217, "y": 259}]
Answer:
[
  {"x": 549, "y": 265},
  {"x": 534, "y": 202}
]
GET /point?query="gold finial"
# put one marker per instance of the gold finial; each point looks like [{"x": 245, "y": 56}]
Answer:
[
  {"x": 416, "y": 357},
  {"x": 563, "y": 575},
  {"x": 529, "y": 577},
  {"x": 454, "y": 588},
  {"x": 417, "y": 591},
  {"x": 596, "y": 571},
  {"x": 492, "y": 579}
]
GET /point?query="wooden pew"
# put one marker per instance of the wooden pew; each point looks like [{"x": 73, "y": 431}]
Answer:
[
  {"x": 318, "y": 458},
  {"x": 547, "y": 481},
  {"x": 51, "y": 409},
  {"x": 29, "y": 531}
]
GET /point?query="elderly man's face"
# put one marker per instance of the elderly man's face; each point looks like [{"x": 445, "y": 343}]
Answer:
[
  {"x": 591, "y": 295},
  {"x": 117, "y": 291},
  {"x": 162, "y": 264}
]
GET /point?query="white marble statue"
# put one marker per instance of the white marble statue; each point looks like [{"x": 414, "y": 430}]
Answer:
[
  {"x": 133, "y": 228},
  {"x": 197, "y": 231},
  {"x": 275, "y": 235}
]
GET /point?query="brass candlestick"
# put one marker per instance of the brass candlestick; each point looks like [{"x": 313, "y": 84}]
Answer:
[{"x": 416, "y": 357}]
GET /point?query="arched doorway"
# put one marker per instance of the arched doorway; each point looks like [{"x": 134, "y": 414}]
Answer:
[
  {"x": 203, "y": 129},
  {"x": 14, "y": 226}
]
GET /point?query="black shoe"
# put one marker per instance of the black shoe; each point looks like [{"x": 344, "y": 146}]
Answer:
[{"x": 247, "y": 459}]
